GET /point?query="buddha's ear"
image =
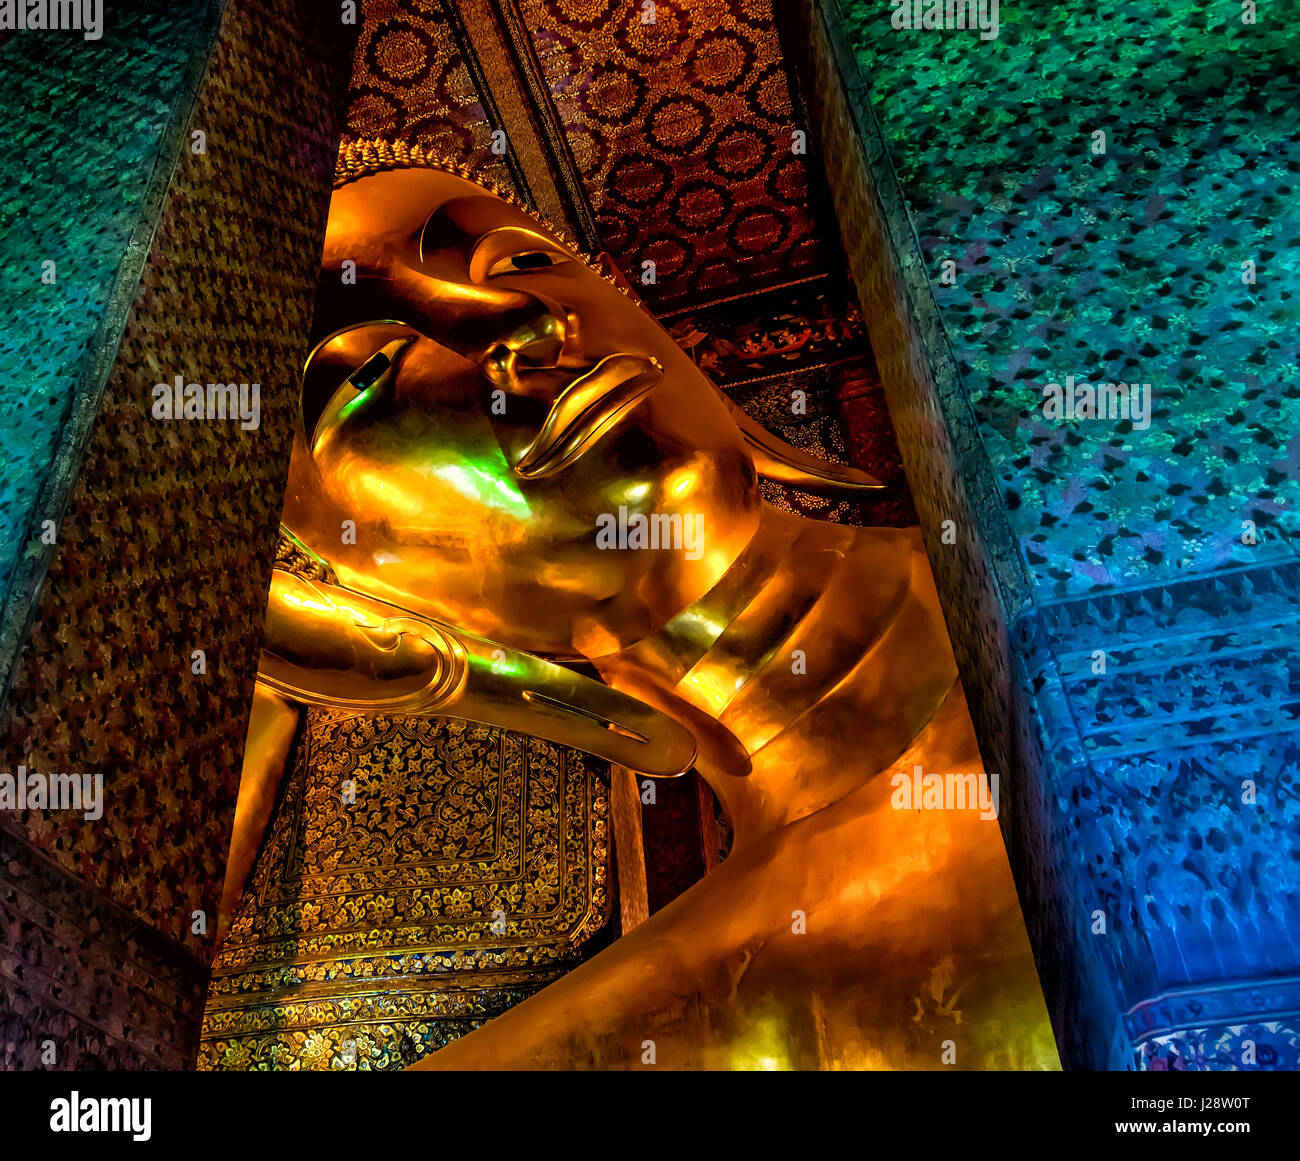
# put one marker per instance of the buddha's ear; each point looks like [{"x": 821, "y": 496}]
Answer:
[
  {"x": 773, "y": 457},
  {"x": 331, "y": 646}
]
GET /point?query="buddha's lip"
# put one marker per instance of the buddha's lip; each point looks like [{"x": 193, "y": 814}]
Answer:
[{"x": 586, "y": 410}]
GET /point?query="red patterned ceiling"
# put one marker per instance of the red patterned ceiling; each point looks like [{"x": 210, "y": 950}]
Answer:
[
  {"x": 411, "y": 82},
  {"x": 682, "y": 132},
  {"x": 678, "y": 133}
]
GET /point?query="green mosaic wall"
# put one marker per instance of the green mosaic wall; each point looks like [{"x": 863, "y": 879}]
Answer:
[{"x": 89, "y": 133}]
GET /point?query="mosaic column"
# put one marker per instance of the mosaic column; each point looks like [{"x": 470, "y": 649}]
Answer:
[{"x": 181, "y": 195}]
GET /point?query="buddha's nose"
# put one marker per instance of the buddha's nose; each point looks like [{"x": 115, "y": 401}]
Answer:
[
  {"x": 539, "y": 341},
  {"x": 536, "y": 343}
]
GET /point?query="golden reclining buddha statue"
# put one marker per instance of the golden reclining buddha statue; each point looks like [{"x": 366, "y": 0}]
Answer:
[{"x": 505, "y": 465}]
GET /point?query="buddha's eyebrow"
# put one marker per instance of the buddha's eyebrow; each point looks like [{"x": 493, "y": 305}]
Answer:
[
  {"x": 444, "y": 232},
  {"x": 459, "y": 225}
]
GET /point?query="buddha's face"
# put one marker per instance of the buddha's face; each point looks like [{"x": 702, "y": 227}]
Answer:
[{"x": 485, "y": 416}]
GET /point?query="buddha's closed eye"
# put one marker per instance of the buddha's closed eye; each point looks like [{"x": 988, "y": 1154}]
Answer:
[
  {"x": 517, "y": 263},
  {"x": 500, "y": 251}
]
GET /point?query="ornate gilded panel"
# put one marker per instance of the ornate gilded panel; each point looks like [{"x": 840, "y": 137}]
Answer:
[{"x": 419, "y": 878}]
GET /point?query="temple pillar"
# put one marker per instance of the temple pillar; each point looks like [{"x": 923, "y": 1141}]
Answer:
[
  {"x": 1027, "y": 208},
  {"x": 204, "y": 137}
]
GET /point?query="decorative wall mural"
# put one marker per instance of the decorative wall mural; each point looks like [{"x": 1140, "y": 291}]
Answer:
[{"x": 466, "y": 868}]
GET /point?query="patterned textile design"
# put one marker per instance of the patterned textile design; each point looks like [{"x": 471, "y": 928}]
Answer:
[
  {"x": 167, "y": 542},
  {"x": 420, "y": 877}
]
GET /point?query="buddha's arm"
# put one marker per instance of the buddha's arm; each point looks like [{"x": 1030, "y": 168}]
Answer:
[{"x": 331, "y": 646}]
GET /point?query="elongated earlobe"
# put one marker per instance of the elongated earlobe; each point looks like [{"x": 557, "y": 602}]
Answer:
[{"x": 777, "y": 460}]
